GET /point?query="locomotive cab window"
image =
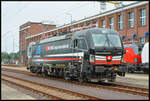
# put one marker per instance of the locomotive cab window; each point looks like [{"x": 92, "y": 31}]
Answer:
[
  {"x": 30, "y": 52},
  {"x": 82, "y": 44},
  {"x": 34, "y": 50}
]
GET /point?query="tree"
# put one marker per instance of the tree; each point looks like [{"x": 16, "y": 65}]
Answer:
[
  {"x": 9, "y": 57},
  {"x": 5, "y": 56}
]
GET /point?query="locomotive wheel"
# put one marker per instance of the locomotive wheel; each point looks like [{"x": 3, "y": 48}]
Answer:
[
  {"x": 45, "y": 74},
  {"x": 32, "y": 69},
  {"x": 39, "y": 71},
  {"x": 66, "y": 76},
  {"x": 131, "y": 71},
  {"x": 82, "y": 79},
  {"x": 146, "y": 71},
  {"x": 112, "y": 80}
]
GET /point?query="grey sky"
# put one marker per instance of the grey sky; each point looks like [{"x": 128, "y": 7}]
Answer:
[{"x": 17, "y": 13}]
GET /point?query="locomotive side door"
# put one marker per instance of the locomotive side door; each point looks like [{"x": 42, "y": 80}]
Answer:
[
  {"x": 79, "y": 48},
  {"x": 75, "y": 51}
]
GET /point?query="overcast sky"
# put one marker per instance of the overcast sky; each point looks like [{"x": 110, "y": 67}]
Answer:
[{"x": 16, "y": 13}]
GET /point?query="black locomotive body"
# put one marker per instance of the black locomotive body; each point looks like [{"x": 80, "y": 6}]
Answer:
[{"x": 88, "y": 55}]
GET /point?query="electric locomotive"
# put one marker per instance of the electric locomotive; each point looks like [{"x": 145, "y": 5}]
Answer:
[
  {"x": 90, "y": 55},
  {"x": 132, "y": 58}
]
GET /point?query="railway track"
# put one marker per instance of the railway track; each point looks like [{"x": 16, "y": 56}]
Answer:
[
  {"x": 48, "y": 91},
  {"x": 112, "y": 86}
]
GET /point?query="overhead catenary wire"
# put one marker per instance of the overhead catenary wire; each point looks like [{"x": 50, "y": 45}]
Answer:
[
  {"x": 8, "y": 32},
  {"x": 58, "y": 15},
  {"x": 76, "y": 8},
  {"x": 13, "y": 46},
  {"x": 20, "y": 10}
]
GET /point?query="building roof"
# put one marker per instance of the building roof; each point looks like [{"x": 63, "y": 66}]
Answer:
[
  {"x": 29, "y": 22},
  {"x": 41, "y": 23}
]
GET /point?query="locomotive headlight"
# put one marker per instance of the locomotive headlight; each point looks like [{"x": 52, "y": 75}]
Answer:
[
  {"x": 135, "y": 59},
  {"x": 92, "y": 58}
]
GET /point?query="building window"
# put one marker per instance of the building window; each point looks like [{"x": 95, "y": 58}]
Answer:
[
  {"x": 142, "y": 40},
  {"x": 120, "y": 22},
  {"x": 131, "y": 19},
  {"x": 143, "y": 17},
  {"x": 130, "y": 40},
  {"x": 103, "y": 23},
  {"x": 81, "y": 25},
  {"x": 88, "y": 23},
  {"x": 111, "y": 23}
]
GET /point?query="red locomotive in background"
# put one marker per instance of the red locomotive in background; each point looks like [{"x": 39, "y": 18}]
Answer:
[{"x": 132, "y": 58}]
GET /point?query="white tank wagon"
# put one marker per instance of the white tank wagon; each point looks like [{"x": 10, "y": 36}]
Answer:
[{"x": 145, "y": 58}]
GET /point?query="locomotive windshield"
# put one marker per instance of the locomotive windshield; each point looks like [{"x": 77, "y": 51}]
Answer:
[
  {"x": 111, "y": 40},
  {"x": 99, "y": 40}
]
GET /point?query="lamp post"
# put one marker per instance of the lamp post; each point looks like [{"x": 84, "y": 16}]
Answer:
[
  {"x": 44, "y": 27},
  {"x": 13, "y": 44},
  {"x": 70, "y": 19},
  {"x": 102, "y": 6}
]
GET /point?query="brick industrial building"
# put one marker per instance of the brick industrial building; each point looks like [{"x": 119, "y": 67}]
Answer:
[{"x": 131, "y": 22}]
